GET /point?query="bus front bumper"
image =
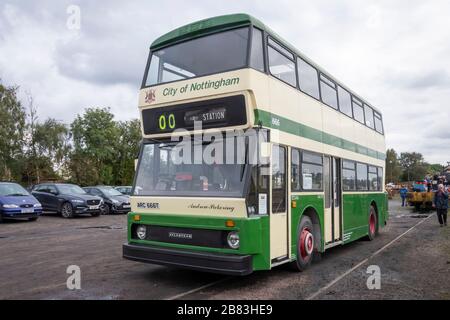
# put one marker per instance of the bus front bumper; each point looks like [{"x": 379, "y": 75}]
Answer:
[{"x": 229, "y": 264}]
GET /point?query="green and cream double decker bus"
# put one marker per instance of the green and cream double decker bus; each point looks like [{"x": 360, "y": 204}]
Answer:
[{"x": 231, "y": 88}]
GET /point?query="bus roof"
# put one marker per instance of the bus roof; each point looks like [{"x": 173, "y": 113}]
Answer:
[
  {"x": 206, "y": 26},
  {"x": 230, "y": 21}
]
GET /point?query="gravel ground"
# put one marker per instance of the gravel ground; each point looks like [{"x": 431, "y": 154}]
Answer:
[{"x": 35, "y": 256}]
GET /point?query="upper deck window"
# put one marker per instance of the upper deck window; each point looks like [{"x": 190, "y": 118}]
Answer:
[
  {"x": 358, "y": 110},
  {"x": 211, "y": 54},
  {"x": 328, "y": 92},
  {"x": 368, "y": 113},
  {"x": 308, "y": 78},
  {"x": 345, "y": 101},
  {"x": 378, "y": 123},
  {"x": 257, "y": 54},
  {"x": 281, "y": 63}
]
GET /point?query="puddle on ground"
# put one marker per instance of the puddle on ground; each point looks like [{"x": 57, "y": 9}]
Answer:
[{"x": 102, "y": 227}]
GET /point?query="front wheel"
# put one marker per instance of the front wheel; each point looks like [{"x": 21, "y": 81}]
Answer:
[
  {"x": 67, "y": 210},
  {"x": 373, "y": 222},
  {"x": 305, "y": 245},
  {"x": 105, "y": 209}
]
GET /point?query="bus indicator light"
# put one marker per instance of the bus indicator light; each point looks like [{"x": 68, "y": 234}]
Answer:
[
  {"x": 137, "y": 217},
  {"x": 230, "y": 224},
  {"x": 294, "y": 204}
]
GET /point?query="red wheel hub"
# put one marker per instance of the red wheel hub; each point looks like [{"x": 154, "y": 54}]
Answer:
[
  {"x": 306, "y": 243},
  {"x": 372, "y": 225}
]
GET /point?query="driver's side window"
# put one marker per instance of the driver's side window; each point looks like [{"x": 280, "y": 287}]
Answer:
[{"x": 51, "y": 190}]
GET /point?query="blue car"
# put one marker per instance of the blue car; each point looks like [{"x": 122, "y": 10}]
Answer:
[{"x": 16, "y": 202}]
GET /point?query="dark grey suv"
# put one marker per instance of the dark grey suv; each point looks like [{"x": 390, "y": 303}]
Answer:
[{"x": 67, "y": 199}]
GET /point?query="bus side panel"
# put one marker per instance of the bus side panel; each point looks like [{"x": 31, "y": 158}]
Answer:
[
  {"x": 356, "y": 214},
  {"x": 303, "y": 203},
  {"x": 254, "y": 234}
]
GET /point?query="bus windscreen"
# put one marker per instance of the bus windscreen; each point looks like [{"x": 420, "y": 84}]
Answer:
[
  {"x": 165, "y": 170},
  {"x": 210, "y": 54}
]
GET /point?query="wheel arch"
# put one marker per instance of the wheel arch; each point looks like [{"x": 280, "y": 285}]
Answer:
[{"x": 313, "y": 214}]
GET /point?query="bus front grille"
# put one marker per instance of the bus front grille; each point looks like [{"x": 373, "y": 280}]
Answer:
[{"x": 187, "y": 236}]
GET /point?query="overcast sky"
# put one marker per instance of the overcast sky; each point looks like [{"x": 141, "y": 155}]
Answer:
[{"x": 396, "y": 54}]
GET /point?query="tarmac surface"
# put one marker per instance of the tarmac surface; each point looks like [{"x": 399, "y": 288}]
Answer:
[{"x": 412, "y": 254}]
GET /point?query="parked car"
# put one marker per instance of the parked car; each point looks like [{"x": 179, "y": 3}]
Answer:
[
  {"x": 113, "y": 200},
  {"x": 127, "y": 190},
  {"x": 16, "y": 202},
  {"x": 67, "y": 199}
]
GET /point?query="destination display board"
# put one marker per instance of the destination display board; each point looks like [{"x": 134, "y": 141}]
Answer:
[{"x": 215, "y": 113}]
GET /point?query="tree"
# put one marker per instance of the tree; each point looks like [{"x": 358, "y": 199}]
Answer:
[
  {"x": 95, "y": 136},
  {"x": 47, "y": 146},
  {"x": 103, "y": 149},
  {"x": 12, "y": 126},
  {"x": 393, "y": 170},
  {"x": 413, "y": 166},
  {"x": 127, "y": 150},
  {"x": 435, "y": 169}
]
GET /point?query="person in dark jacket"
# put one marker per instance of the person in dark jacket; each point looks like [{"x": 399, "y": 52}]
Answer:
[
  {"x": 441, "y": 204},
  {"x": 403, "y": 194}
]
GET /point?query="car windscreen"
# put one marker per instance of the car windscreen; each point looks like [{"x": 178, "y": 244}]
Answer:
[
  {"x": 111, "y": 192},
  {"x": 13, "y": 190},
  {"x": 70, "y": 189}
]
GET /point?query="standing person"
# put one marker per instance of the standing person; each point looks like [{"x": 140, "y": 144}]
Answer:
[
  {"x": 403, "y": 193},
  {"x": 441, "y": 204}
]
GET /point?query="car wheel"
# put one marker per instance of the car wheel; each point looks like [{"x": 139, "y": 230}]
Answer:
[
  {"x": 67, "y": 210},
  {"x": 105, "y": 209},
  {"x": 305, "y": 245}
]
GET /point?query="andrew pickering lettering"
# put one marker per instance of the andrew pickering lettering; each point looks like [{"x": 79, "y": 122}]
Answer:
[{"x": 211, "y": 207}]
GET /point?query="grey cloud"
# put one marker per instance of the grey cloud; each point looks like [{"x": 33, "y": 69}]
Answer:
[{"x": 430, "y": 79}]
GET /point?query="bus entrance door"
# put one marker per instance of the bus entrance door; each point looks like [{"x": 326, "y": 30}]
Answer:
[
  {"x": 279, "y": 208},
  {"x": 332, "y": 201}
]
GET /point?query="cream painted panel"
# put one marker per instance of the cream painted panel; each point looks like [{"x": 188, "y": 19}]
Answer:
[
  {"x": 337, "y": 223},
  {"x": 183, "y": 90},
  {"x": 190, "y": 206},
  {"x": 328, "y": 225},
  {"x": 278, "y": 235}
]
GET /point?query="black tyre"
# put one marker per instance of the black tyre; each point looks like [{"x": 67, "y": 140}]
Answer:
[
  {"x": 32, "y": 219},
  {"x": 1, "y": 218},
  {"x": 373, "y": 224},
  {"x": 105, "y": 209},
  {"x": 67, "y": 210},
  {"x": 305, "y": 245}
]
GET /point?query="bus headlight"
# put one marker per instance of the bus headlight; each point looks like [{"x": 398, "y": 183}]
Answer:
[
  {"x": 141, "y": 232},
  {"x": 233, "y": 240}
]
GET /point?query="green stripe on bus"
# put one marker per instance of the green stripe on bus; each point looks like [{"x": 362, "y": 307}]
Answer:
[{"x": 301, "y": 130}]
